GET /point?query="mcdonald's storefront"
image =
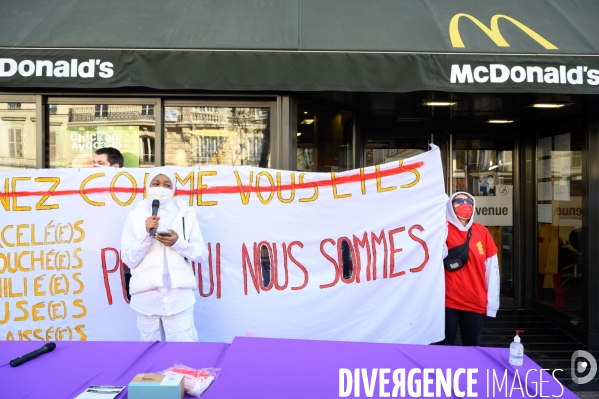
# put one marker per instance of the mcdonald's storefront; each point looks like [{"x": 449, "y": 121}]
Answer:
[{"x": 508, "y": 90}]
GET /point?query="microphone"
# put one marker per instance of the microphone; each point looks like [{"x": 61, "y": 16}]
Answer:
[
  {"x": 155, "y": 206},
  {"x": 49, "y": 347}
]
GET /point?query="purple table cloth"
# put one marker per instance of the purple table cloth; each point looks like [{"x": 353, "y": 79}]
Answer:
[
  {"x": 73, "y": 366},
  {"x": 259, "y": 367},
  {"x": 281, "y": 368}
]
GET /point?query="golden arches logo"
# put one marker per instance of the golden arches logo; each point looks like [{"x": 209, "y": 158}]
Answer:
[{"x": 494, "y": 32}]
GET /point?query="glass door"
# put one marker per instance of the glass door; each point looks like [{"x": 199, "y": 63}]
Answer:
[
  {"x": 485, "y": 169},
  {"x": 561, "y": 253}
]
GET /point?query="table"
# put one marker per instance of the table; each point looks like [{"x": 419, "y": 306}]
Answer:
[
  {"x": 254, "y": 367},
  {"x": 279, "y": 368},
  {"x": 73, "y": 366}
]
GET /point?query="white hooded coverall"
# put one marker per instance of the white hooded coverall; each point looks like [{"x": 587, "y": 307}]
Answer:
[{"x": 162, "y": 280}]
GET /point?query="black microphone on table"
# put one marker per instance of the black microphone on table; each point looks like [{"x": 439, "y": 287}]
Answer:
[
  {"x": 49, "y": 347},
  {"x": 155, "y": 206}
]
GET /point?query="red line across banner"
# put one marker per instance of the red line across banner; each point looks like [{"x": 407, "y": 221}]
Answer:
[{"x": 354, "y": 178}]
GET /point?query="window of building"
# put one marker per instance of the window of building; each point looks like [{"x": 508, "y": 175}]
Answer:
[
  {"x": 51, "y": 147},
  {"x": 15, "y": 146},
  {"x": 217, "y": 135},
  {"x": 147, "y": 112},
  {"x": 325, "y": 137},
  {"x": 101, "y": 112},
  {"x": 78, "y": 130},
  {"x": 147, "y": 148},
  {"x": 17, "y": 135}
]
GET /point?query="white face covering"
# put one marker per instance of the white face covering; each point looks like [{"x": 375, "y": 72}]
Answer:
[{"x": 161, "y": 194}]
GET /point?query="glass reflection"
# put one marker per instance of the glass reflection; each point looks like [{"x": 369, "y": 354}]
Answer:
[
  {"x": 561, "y": 266},
  {"x": 484, "y": 168},
  {"x": 325, "y": 138},
  {"x": 17, "y": 135},
  {"x": 77, "y": 131},
  {"x": 217, "y": 136}
]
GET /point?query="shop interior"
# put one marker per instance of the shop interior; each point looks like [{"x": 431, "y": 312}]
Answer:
[{"x": 520, "y": 155}]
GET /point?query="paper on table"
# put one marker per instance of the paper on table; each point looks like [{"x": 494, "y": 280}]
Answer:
[
  {"x": 100, "y": 392},
  {"x": 544, "y": 191}
]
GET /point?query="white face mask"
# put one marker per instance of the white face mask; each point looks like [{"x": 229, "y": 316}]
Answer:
[{"x": 161, "y": 194}]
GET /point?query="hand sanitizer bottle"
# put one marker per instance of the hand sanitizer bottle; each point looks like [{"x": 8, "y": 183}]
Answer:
[{"x": 517, "y": 350}]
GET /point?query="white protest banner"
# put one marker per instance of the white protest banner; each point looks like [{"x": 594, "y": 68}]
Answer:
[{"x": 355, "y": 255}]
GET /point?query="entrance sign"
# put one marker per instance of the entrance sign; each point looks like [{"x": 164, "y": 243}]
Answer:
[
  {"x": 496, "y": 210},
  {"x": 353, "y": 255}
]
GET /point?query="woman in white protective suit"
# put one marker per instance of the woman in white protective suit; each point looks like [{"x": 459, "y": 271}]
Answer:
[{"x": 162, "y": 280}]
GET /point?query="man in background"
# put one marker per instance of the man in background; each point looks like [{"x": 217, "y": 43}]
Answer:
[{"x": 108, "y": 157}]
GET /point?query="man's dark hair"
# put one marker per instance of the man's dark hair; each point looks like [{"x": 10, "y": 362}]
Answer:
[{"x": 113, "y": 155}]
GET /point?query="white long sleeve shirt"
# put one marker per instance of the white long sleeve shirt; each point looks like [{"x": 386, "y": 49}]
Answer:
[{"x": 492, "y": 279}]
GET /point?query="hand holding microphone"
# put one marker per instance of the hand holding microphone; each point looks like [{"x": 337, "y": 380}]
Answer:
[
  {"x": 49, "y": 347},
  {"x": 152, "y": 222}
]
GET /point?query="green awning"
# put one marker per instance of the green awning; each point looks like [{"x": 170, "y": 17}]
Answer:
[{"x": 302, "y": 45}]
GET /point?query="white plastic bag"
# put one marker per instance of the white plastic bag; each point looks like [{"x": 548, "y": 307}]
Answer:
[{"x": 196, "y": 381}]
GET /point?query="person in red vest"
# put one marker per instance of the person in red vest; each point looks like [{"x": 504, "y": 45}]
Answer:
[{"x": 471, "y": 290}]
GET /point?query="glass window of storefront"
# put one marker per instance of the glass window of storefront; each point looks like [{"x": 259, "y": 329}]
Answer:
[
  {"x": 218, "y": 135},
  {"x": 325, "y": 138},
  {"x": 561, "y": 276},
  {"x": 77, "y": 130},
  {"x": 17, "y": 135},
  {"x": 379, "y": 150},
  {"x": 485, "y": 169}
]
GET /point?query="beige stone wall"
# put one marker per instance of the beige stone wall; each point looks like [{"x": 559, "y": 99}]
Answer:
[{"x": 22, "y": 120}]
